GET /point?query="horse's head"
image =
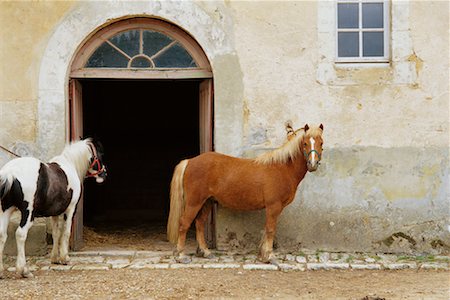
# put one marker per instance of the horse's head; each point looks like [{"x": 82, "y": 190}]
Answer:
[
  {"x": 97, "y": 169},
  {"x": 312, "y": 146}
]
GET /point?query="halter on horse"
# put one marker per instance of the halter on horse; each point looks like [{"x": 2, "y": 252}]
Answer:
[{"x": 52, "y": 189}]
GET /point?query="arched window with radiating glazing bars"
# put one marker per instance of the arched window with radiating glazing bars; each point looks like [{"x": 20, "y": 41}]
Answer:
[{"x": 141, "y": 48}]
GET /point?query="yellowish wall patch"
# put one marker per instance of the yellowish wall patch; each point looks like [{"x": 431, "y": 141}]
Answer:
[{"x": 24, "y": 29}]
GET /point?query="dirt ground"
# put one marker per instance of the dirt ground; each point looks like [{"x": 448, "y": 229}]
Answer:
[
  {"x": 213, "y": 283},
  {"x": 149, "y": 237},
  {"x": 228, "y": 284}
]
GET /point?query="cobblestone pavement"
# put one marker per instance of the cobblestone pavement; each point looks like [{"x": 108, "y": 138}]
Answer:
[{"x": 304, "y": 261}]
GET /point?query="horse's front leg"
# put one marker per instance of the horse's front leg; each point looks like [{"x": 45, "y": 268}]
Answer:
[
  {"x": 57, "y": 226},
  {"x": 64, "y": 245},
  {"x": 21, "y": 236},
  {"x": 266, "y": 246}
]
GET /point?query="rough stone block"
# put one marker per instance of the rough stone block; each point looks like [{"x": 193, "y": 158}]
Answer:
[
  {"x": 400, "y": 266},
  {"x": 185, "y": 266},
  {"x": 365, "y": 266},
  {"x": 36, "y": 243},
  {"x": 222, "y": 266},
  {"x": 266, "y": 267},
  {"x": 91, "y": 267}
]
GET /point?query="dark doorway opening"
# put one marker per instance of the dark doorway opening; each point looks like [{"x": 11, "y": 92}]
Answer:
[{"x": 146, "y": 128}]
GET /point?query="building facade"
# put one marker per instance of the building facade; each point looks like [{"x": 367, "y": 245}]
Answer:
[{"x": 384, "y": 180}]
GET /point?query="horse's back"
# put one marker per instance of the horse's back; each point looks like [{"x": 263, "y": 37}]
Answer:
[
  {"x": 233, "y": 182},
  {"x": 24, "y": 169},
  {"x": 45, "y": 184},
  {"x": 215, "y": 165},
  {"x": 217, "y": 158}
]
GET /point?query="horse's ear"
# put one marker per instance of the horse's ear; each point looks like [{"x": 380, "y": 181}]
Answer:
[
  {"x": 306, "y": 127},
  {"x": 288, "y": 126},
  {"x": 321, "y": 126}
]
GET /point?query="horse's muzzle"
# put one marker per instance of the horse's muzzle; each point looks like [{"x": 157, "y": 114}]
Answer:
[
  {"x": 101, "y": 177},
  {"x": 312, "y": 167}
]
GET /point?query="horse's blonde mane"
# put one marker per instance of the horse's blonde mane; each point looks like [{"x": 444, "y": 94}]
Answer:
[
  {"x": 79, "y": 154},
  {"x": 289, "y": 149}
]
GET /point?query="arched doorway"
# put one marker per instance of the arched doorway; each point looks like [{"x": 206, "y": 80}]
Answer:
[{"x": 144, "y": 88}]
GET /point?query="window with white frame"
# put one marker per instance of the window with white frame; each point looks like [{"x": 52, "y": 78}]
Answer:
[{"x": 362, "y": 31}]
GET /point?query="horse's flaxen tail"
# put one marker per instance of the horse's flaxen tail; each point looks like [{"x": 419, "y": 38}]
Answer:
[{"x": 177, "y": 201}]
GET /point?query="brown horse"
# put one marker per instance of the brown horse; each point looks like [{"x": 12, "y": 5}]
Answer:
[{"x": 270, "y": 181}]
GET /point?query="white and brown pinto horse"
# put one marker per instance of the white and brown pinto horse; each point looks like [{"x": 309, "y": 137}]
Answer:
[
  {"x": 51, "y": 189},
  {"x": 270, "y": 181}
]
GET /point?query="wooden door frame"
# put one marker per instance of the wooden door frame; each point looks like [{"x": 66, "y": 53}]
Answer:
[
  {"x": 75, "y": 133},
  {"x": 206, "y": 102},
  {"x": 203, "y": 73}
]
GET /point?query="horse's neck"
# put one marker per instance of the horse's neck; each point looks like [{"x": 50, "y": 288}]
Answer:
[
  {"x": 298, "y": 168},
  {"x": 68, "y": 164}
]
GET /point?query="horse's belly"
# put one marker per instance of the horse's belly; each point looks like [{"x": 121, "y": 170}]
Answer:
[
  {"x": 238, "y": 203},
  {"x": 52, "y": 205}
]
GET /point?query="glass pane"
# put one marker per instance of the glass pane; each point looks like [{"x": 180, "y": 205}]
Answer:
[
  {"x": 372, "y": 15},
  {"x": 141, "y": 62},
  {"x": 127, "y": 41},
  {"x": 175, "y": 57},
  {"x": 348, "y": 44},
  {"x": 154, "y": 41},
  {"x": 106, "y": 56},
  {"x": 373, "y": 44},
  {"x": 348, "y": 16}
]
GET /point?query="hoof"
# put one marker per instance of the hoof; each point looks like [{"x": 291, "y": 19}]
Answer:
[
  {"x": 274, "y": 261},
  {"x": 269, "y": 260},
  {"x": 59, "y": 262},
  {"x": 183, "y": 259},
  {"x": 209, "y": 256},
  {"x": 263, "y": 259},
  {"x": 64, "y": 260},
  {"x": 27, "y": 274},
  {"x": 204, "y": 254},
  {"x": 54, "y": 261}
]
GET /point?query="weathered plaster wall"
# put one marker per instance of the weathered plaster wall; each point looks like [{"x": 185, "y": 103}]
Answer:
[
  {"x": 384, "y": 183},
  {"x": 25, "y": 28}
]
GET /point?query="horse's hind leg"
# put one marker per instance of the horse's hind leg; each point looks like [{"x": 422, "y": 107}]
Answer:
[
  {"x": 21, "y": 236},
  {"x": 200, "y": 221},
  {"x": 190, "y": 212},
  {"x": 4, "y": 221}
]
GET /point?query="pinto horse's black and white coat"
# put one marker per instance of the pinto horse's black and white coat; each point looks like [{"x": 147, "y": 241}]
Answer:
[{"x": 51, "y": 189}]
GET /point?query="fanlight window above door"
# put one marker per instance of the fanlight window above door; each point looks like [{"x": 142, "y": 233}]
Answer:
[{"x": 141, "y": 48}]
